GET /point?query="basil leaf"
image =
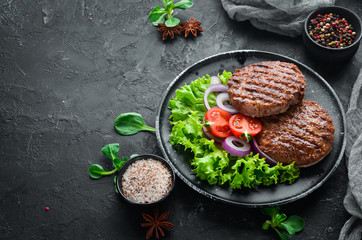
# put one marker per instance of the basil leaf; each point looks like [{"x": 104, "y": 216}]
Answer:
[
  {"x": 183, "y": 4},
  {"x": 171, "y": 21},
  {"x": 96, "y": 171},
  {"x": 296, "y": 222},
  {"x": 156, "y": 13},
  {"x": 131, "y": 123},
  {"x": 111, "y": 150}
]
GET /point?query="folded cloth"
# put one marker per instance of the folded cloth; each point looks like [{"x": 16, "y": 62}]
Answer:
[
  {"x": 285, "y": 17},
  {"x": 352, "y": 229}
]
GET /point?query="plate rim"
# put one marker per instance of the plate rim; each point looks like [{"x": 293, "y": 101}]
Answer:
[{"x": 254, "y": 205}]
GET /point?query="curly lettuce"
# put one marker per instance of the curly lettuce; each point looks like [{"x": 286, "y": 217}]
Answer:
[{"x": 211, "y": 162}]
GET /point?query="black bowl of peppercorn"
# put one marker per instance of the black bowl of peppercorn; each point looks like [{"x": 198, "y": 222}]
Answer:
[{"x": 332, "y": 34}]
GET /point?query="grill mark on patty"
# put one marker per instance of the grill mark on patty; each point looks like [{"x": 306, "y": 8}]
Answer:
[
  {"x": 266, "y": 88},
  {"x": 253, "y": 95},
  {"x": 285, "y": 79},
  {"x": 281, "y": 67},
  {"x": 305, "y": 126},
  {"x": 304, "y": 134},
  {"x": 262, "y": 92},
  {"x": 270, "y": 84}
]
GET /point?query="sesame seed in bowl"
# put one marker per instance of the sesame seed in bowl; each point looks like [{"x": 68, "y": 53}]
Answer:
[{"x": 145, "y": 180}]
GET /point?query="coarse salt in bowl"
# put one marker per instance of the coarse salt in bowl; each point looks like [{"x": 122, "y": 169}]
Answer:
[{"x": 145, "y": 179}]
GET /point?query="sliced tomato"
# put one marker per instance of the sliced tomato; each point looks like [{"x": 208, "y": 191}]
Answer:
[
  {"x": 241, "y": 124},
  {"x": 218, "y": 120}
]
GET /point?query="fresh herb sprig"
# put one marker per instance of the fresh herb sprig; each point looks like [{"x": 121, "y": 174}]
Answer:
[
  {"x": 246, "y": 136},
  {"x": 96, "y": 171},
  {"x": 164, "y": 15},
  {"x": 131, "y": 123},
  {"x": 292, "y": 225}
]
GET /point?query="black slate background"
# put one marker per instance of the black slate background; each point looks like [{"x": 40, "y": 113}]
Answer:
[{"x": 68, "y": 68}]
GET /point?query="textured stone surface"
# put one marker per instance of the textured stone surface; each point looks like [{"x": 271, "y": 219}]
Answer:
[{"x": 68, "y": 68}]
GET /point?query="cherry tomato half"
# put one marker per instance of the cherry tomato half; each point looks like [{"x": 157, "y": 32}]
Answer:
[
  {"x": 240, "y": 124},
  {"x": 219, "y": 122}
]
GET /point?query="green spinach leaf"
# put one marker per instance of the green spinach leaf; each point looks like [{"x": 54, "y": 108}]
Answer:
[
  {"x": 159, "y": 14},
  {"x": 184, "y": 4},
  {"x": 96, "y": 171},
  {"x": 171, "y": 21},
  {"x": 278, "y": 222},
  {"x": 111, "y": 150},
  {"x": 131, "y": 123}
]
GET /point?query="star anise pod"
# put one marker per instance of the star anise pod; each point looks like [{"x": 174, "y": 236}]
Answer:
[
  {"x": 168, "y": 31},
  {"x": 156, "y": 223},
  {"x": 191, "y": 26}
]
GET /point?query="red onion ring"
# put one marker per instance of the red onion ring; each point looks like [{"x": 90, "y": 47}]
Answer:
[
  {"x": 213, "y": 88},
  {"x": 220, "y": 99},
  {"x": 215, "y": 80},
  {"x": 256, "y": 149},
  {"x": 229, "y": 145}
]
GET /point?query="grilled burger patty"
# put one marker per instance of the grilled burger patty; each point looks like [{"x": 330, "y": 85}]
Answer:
[
  {"x": 303, "y": 134},
  {"x": 266, "y": 88}
]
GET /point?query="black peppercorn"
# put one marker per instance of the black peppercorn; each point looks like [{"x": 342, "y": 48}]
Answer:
[{"x": 331, "y": 30}]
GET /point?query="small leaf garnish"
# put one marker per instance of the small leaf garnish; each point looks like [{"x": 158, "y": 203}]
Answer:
[
  {"x": 278, "y": 222},
  {"x": 96, "y": 171},
  {"x": 131, "y": 123},
  {"x": 246, "y": 136},
  {"x": 159, "y": 14}
]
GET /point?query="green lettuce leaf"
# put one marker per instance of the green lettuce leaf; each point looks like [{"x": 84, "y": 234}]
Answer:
[{"x": 191, "y": 98}]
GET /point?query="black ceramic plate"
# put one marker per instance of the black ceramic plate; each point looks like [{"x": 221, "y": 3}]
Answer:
[{"x": 311, "y": 178}]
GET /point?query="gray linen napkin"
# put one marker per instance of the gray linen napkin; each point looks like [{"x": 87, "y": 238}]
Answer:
[
  {"x": 284, "y": 17},
  {"x": 352, "y": 229}
]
